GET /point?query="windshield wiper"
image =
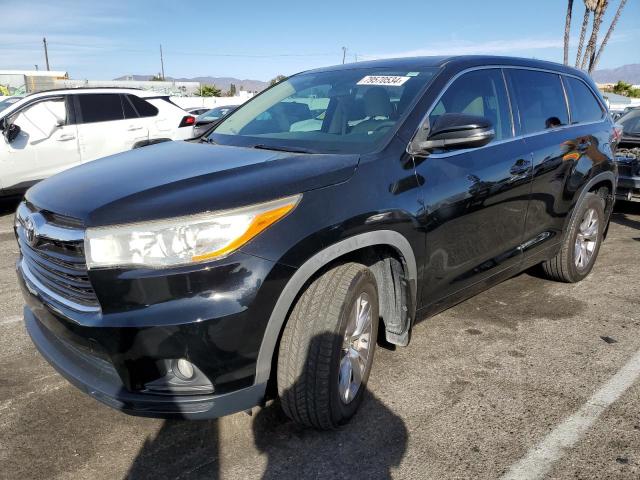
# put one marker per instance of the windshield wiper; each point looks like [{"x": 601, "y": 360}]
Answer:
[{"x": 281, "y": 149}]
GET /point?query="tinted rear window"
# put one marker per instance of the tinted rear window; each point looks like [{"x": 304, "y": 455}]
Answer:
[
  {"x": 540, "y": 99},
  {"x": 584, "y": 106},
  {"x": 100, "y": 107},
  {"x": 144, "y": 108}
]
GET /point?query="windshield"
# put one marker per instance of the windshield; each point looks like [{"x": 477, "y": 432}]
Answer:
[
  {"x": 342, "y": 111},
  {"x": 631, "y": 122}
]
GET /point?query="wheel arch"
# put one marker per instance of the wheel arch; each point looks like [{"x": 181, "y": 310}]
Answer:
[
  {"x": 278, "y": 317},
  {"x": 601, "y": 179}
]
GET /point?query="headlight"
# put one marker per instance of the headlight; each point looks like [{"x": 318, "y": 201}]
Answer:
[{"x": 182, "y": 240}]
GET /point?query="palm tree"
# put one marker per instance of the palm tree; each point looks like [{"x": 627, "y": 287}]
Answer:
[
  {"x": 594, "y": 63},
  {"x": 589, "y": 6},
  {"x": 567, "y": 31},
  {"x": 601, "y": 7}
]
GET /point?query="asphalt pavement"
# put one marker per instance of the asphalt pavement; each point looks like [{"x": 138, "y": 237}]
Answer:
[{"x": 530, "y": 379}]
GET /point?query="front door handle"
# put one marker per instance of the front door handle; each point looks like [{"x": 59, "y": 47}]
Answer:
[
  {"x": 133, "y": 128},
  {"x": 66, "y": 137}
]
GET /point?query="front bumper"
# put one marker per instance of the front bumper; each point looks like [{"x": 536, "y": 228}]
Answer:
[
  {"x": 99, "y": 379},
  {"x": 115, "y": 357},
  {"x": 628, "y": 175}
]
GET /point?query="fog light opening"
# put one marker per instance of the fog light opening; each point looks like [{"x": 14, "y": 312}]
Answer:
[{"x": 184, "y": 369}]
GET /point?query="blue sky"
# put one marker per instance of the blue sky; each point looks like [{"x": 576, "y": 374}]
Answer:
[{"x": 258, "y": 40}]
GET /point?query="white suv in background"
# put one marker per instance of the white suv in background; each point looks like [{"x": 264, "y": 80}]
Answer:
[{"x": 47, "y": 132}]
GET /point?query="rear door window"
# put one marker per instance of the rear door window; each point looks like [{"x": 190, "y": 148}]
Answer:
[
  {"x": 540, "y": 98},
  {"x": 482, "y": 93},
  {"x": 584, "y": 106},
  {"x": 127, "y": 108},
  {"x": 100, "y": 107}
]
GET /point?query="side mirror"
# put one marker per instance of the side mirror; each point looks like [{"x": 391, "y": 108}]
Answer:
[
  {"x": 11, "y": 132},
  {"x": 455, "y": 131}
]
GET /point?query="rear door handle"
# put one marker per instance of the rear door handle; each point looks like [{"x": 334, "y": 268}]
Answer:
[
  {"x": 520, "y": 167},
  {"x": 66, "y": 137},
  {"x": 133, "y": 128}
]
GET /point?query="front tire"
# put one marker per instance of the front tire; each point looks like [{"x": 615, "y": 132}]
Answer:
[
  {"x": 581, "y": 243},
  {"x": 327, "y": 347}
]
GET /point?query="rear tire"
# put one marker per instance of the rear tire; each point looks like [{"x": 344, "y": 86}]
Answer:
[
  {"x": 581, "y": 242},
  {"x": 327, "y": 347}
]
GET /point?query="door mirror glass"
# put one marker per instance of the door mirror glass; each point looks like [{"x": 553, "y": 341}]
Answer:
[
  {"x": 11, "y": 132},
  {"x": 456, "y": 131}
]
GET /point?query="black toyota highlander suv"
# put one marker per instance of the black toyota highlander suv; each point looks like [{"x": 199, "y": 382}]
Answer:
[{"x": 325, "y": 216}]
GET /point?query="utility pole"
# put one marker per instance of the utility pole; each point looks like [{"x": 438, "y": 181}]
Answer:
[
  {"x": 161, "y": 62},
  {"x": 344, "y": 54},
  {"x": 46, "y": 52}
]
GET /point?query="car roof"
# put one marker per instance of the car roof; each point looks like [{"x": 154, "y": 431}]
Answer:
[
  {"x": 455, "y": 62},
  {"x": 71, "y": 91},
  {"x": 78, "y": 90}
]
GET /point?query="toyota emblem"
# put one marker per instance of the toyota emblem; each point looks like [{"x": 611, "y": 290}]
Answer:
[{"x": 30, "y": 231}]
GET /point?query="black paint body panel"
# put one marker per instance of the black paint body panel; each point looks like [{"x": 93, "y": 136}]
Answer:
[{"x": 472, "y": 218}]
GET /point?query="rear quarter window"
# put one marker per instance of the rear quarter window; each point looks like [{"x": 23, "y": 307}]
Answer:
[
  {"x": 144, "y": 108},
  {"x": 584, "y": 105}
]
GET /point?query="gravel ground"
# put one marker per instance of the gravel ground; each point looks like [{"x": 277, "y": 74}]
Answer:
[{"x": 479, "y": 387}]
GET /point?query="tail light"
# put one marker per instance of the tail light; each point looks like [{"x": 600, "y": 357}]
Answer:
[
  {"x": 187, "y": 121},
  {"x": 616, "y": 135}
]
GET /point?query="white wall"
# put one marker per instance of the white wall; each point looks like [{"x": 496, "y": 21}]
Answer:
[{"x": 210, "y": 102}]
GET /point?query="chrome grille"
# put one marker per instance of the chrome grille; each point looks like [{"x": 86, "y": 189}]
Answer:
[{"x": 53, "y": 261}]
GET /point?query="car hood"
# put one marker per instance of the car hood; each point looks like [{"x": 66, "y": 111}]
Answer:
[{"x": 182, "y": 178}]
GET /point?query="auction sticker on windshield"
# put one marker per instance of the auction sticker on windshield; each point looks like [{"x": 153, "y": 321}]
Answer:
[{"x": 384, "y": 80}]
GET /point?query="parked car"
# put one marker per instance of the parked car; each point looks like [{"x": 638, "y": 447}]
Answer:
[
  {"x": 6, "y": 102},
  {"x": 628, "y": 156},
  {"x": 196, "y": 279},
  {"x": 197, "y": 110},
  {"x": 205, "y": 119},
  {"x": 47, "y": 132}
]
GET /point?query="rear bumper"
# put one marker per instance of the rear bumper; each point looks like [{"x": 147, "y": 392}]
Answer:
[{"x": 99, "y": 379}]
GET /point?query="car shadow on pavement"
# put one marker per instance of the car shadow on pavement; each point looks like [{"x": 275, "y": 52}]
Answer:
[
  {"x": 180, "y": 449},
  {"x": 369, "y": 446},
  {"x": 623, "y": 212},
  {"x": 9, "y": 204}
]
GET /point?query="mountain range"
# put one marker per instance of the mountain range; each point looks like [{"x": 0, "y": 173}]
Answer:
[
  {"x": 629, "y": 73},
  {"x": 223, "y": 83}
]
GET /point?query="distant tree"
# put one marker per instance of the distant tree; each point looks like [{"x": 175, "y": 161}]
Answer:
[
  {"x": 208, "y": 91},
  {"x": 588, "y": 60},
  {"x": 626, "y": 89},
  {"x": 278, "y": 79},
  {"x": 567, "y": 31},
  {"x": 589, "y": 53},
  {"x": 614, "y": 22},
  {"x": 157, "y": 78},
  {"x": 232, "y": 90}
]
